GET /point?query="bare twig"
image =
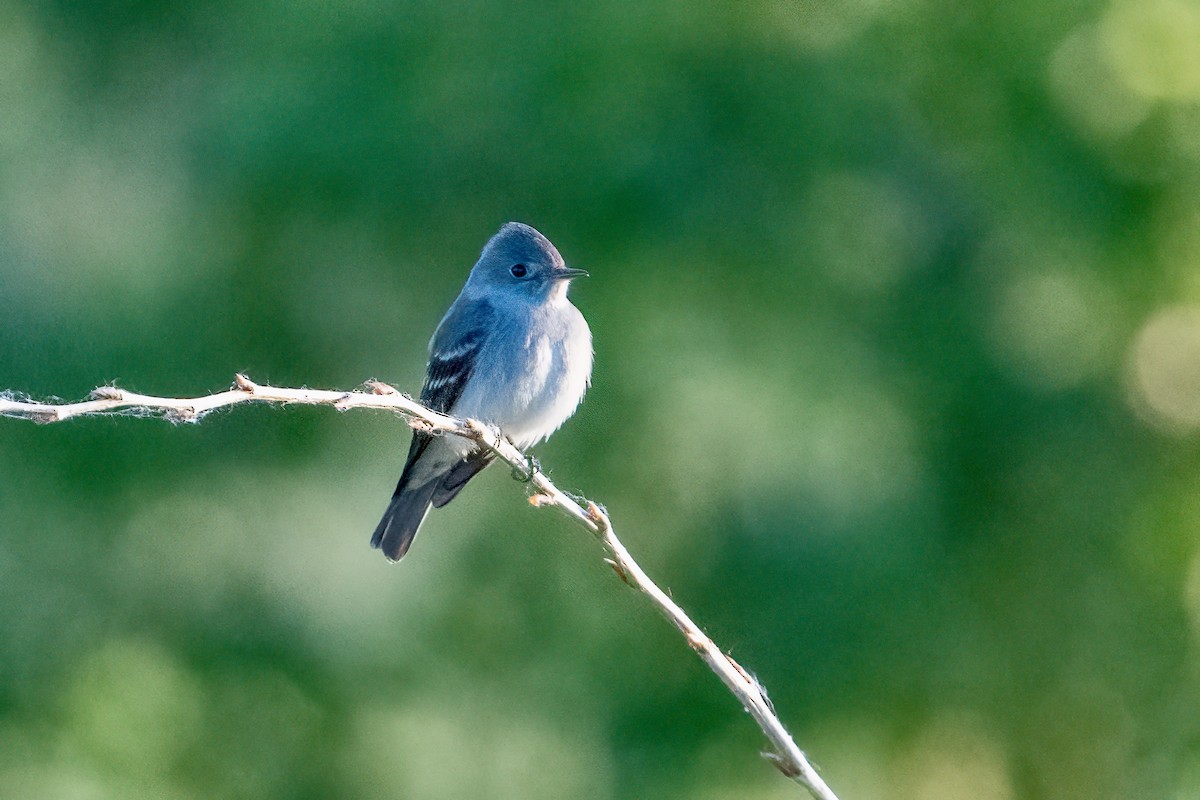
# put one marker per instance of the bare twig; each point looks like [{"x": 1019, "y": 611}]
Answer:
[{"x": 786, "y": 756}]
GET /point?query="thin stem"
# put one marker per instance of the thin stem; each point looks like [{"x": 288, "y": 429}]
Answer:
[{"x": 786, "y": 756}]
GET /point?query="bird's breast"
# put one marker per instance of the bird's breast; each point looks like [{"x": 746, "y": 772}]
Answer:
[{"x": 531, "y": 377}]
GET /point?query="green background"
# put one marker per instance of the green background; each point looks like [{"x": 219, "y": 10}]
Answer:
[{"x": 897, "y": 389}]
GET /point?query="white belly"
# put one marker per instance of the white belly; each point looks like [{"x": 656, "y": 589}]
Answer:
[{"x": 530, "y": 385}]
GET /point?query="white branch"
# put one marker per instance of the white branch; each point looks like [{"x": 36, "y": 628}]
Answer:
[{"x": 787, "y": 757}]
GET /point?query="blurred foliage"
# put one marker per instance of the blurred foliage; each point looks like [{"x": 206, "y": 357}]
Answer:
[{"x": 897, "y": 318}]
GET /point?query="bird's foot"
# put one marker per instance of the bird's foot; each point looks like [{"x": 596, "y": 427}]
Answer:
[{"x": 532, "y": 467}]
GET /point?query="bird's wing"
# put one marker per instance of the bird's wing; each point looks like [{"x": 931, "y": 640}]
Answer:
[
  {"x": 453, "y": 354},
  {"x": 454, "y": 480}
]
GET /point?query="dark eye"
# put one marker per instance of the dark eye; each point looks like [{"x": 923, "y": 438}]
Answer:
[{"x": 518, "y": 270}]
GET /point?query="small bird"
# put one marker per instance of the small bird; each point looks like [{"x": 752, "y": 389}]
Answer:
[{"x": 511, "y": 352}]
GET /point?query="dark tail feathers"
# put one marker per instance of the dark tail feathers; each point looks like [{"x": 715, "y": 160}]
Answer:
[
  {"x": 454, "y": 480},
  {"x": 410, "y": 504},
  {"x": 404, "y": 515}
]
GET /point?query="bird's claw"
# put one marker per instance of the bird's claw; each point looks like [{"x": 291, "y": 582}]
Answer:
[{"x": 532, "y": 467}]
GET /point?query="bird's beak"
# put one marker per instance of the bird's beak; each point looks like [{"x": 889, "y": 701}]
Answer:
[{"x": 566, "y": 273}]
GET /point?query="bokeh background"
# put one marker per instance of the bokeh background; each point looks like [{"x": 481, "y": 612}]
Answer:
[{"x": 897, "y": 321}]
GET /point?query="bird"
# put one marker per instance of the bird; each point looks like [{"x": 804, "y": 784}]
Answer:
[{"x": 512, "y": 352}]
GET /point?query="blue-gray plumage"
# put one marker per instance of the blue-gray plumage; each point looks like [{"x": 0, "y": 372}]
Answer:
[{"x": 512, "y": 352}]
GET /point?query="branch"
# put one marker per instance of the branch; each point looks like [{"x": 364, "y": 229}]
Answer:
[{"x": 786, "y": 756}]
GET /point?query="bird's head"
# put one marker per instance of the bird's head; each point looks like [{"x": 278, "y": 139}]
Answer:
[{"x": 519, "y": 261}]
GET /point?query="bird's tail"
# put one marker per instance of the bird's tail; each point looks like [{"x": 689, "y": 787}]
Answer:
[{"x": 403, "y": 518}]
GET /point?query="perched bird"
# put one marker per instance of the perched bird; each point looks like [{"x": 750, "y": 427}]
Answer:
[{"x": 512, "y": 352}]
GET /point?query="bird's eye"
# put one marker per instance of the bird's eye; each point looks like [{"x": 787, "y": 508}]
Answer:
[{"x": 518, "y": 270}]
